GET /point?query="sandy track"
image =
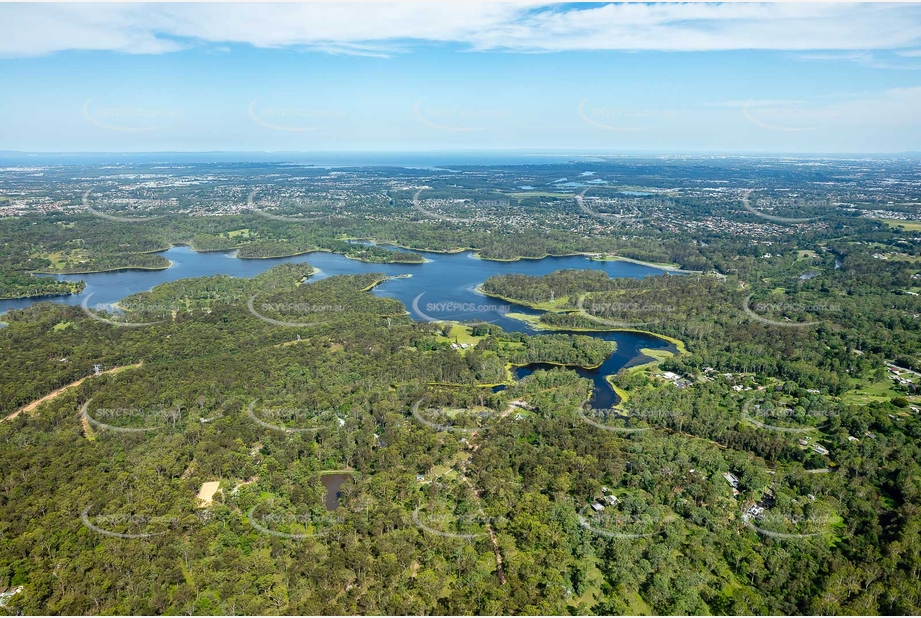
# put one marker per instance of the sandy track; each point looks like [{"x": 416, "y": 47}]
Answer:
[{"x": 56, "y": 393}]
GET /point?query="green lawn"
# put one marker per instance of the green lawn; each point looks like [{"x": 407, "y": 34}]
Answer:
[
  {"x": 911, "y": 226},
  {"x": 866, "y": 393},
  {"x": 58, "y": 259},
  {"x": 458, "y": 333}
]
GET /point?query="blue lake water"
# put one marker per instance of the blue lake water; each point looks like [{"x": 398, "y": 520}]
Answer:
[{"x": 441, "y": 289}]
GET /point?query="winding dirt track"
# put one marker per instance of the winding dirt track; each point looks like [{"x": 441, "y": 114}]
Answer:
[{"x": 57, "y": 392}]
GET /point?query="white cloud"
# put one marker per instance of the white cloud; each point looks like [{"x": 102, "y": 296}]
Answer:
[{"x": 35, "y": 29}]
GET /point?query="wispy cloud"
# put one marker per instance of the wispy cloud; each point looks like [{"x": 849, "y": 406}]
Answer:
[
  {"x": 754, "y": 103},
  {"x": 863, "y": 58},
  {"x": 381, "y": 29}
]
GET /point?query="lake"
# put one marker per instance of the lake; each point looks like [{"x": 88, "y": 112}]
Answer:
[
  {"x": 443, "y": 288},
  {"x": 332, "y": 482}
]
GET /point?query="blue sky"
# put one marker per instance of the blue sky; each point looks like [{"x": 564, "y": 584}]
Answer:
[{"x": 405, "y": 77}]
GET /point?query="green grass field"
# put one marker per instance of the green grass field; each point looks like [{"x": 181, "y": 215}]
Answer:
[
  {"x": 864, "y": 393},
  {"x": 911, "y": 226},
  {"x": 58, "y": 259},
  {"x": 458, "y": 333}
]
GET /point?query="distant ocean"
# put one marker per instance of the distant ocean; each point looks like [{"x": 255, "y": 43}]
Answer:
[{"x": 320, "y": 159}]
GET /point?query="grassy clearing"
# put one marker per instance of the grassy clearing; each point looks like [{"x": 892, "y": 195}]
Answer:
[
  {"x": 59, "y": 258},
  {"x": 622, "y": 395},
  {"x": 594, "y": 580},
  {"x": 458, "y": 333},
  {"x": 463, "y": 334},
  {"x": 911, "y": 226},
  {"x": 867, "y": 393},
  {"x": 659, "y": 355}
]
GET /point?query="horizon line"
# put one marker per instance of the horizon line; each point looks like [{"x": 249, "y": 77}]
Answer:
[{"x": 525, "y": 151}]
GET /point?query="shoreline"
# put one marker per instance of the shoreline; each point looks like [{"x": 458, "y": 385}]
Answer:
[
  {"x": 105, "y": 270},
  {"x": 235, "y": 255},
  {"x": 593, "y": 256},
  {"x": 607, "y": 257},
  {"x": 678, "y": 343},
  {"x": 476, "y": 254},
  {"x": 49, "y": 295},
  {"x": 478, "y": 289},
  {"x": 534, "y": 323}
]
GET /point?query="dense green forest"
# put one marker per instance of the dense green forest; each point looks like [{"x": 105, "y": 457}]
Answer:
[
  {"x": 511, "y": 485},
  {"x": 767, "y": 464},
  {"x": 27, "y": 286}
]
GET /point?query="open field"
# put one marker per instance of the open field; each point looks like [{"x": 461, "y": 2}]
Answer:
[{"x": 911, "y": 226}]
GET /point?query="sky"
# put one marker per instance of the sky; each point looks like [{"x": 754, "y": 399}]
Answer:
[{"x": 626, "y": 77}]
